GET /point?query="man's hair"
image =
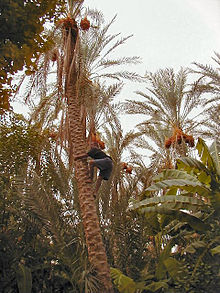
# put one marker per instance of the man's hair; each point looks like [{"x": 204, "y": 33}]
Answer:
[{"x": 94, "y": 144}]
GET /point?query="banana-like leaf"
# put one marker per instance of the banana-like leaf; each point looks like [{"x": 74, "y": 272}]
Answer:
[
  {"x": 125, "y": 284},
  {"x": 173, "y": 267},
  {"x": 173, "y": 173},
  {"x": 168, "y": 264},
  {"x": 215, "y": 153},
  {"x": 172, "y": 206},
  {"x": 192, "y": 247},
  {"x": 192, "y": 165},
  {"x": 161, "y": 269},
  {"x": 201, "y": 190},
  {"x": 215, "y": 250},
  {"x": 24, "y": 279},
  {"x": 204, "y": 178},
  {"x": 193, "y": 221},
  {"x": 188, "y": 164},
  {"x": 168, "y": 199},
  {"x": 122, "y": 282},
  {"x": 173, "y": 190},
  {"x": 205, "y": 155},
  {"x": 170, "y": 183},
  {"x": 185, "y": 184},
  {"x": 154, "y": 286}
]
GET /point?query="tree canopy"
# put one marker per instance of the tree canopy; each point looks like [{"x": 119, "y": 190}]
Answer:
[{"x": 22, "y": 38}]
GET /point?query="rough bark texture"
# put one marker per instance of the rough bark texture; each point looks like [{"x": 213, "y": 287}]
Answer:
[{"x": 96, "y": 250}]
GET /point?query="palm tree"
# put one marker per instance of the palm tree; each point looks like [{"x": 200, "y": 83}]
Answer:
[
  {"x": 71, "y": 70},
  {"x": 69, "y": 79},
  {"x": 169, "y": 110},
  {"x": 95, "y": 95},
  {"x": 82, "y": 99},
  {"x": 209, "y": 85},
  {"x": 153, "y": 144}
]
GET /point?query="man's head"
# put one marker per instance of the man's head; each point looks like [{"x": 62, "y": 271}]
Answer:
[{"x": 94, "y": 144}]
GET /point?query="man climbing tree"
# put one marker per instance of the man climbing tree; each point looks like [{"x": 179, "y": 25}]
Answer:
[
  {"x": 71, "y": 80},
  {"x": 100, "y": 160}
]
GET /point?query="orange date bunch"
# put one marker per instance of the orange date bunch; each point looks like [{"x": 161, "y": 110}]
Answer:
[
  {"x": 177, "y": 138},
  {"x": 128, "y": 169},
  {"x": 67, "y": 22},
  {"x": 85, "y": 24}
]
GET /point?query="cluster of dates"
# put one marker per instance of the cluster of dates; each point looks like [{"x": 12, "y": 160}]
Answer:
[
  {"x": 85, "y": 24},
  {"x": 70, "y": 22},
  {"x": 67, "y": 23},
  {"x": 128, "y": 169},
  {"x": 179, "y": 136}
]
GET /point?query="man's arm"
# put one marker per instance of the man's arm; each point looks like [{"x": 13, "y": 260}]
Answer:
[
  {"x": 80, "y": 157},
  {"x": 91, "y": 153}
]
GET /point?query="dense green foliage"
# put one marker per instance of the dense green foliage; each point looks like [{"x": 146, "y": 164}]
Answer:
[
  {"x": 189, "y": 208},
  {"x": 41, "y": 241},
  {"x": 22, "y": 38}
]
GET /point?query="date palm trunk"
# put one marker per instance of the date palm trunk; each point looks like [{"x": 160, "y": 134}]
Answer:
[{"x": 96, "y": 251}]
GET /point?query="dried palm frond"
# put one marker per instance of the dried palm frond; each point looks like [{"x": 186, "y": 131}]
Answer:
[
  {"x": 208, "y": 84},
  {"x": 91, "y": 54}
]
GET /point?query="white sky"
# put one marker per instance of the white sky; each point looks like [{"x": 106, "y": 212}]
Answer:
[{"x": 166, "y": 33}]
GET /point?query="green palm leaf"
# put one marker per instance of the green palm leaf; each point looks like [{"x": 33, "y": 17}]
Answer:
[
  {"x": 173, "y": 173},
  {"x": 24, "y": 279},
  {"x": 186, "y": 185},
  {"x": 215, "y": 153},
  {"x": 181, "y": 202},
  {"x": 187, "y": 164},
  {"x": 205, "y": 155},
  {"x": 193, "y": 221},
  {"x": 123, "y": 283}
]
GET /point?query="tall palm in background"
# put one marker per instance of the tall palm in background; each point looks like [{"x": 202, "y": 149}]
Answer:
[
  {"x": 209, "y": 84},
  {"x": 169, "y": 107},
  {"x": 122, "y": 233}
]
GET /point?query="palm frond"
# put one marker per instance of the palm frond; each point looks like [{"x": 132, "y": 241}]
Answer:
[{"x": 172, "y": 201}]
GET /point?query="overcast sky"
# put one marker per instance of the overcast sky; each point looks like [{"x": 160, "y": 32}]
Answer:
[{"x": 167, "y": 33}]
